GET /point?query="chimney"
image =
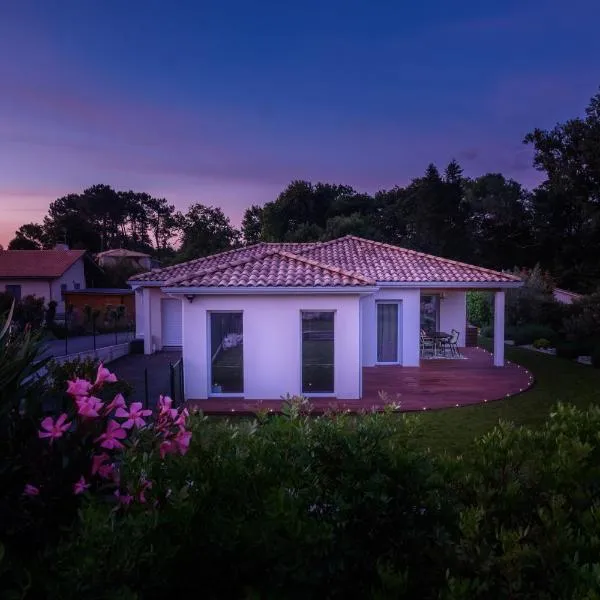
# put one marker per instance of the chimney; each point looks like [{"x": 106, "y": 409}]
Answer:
[{"x": 61, "y": 246}]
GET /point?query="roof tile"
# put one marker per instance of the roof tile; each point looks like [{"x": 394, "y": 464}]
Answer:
[{"x": 41, "y": 264}]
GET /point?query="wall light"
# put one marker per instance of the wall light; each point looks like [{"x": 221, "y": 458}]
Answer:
[{"x": 190, "y": 297}]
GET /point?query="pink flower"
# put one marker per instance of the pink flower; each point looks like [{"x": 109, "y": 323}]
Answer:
[
  {"x": 80, "y": 486},
  {"x": 134, "y": 416},
  {"x": 117, "y": 402},
  {"x": 125, "y": 499},
  {"x": 31, "y": 490},
  {"x": 104, "y": 376},
  {"x": 181, "y": 420},
  {"x": 164, "y": 405},
  {"x": 98, "y": 460},
  {"x": 110, "y": 438},
  {"x": 54, "y": 430},
  {"x": 79, "y": 387},
  {"x": 88, "y": 406},
  {"x": 167, "y": 447},
  {"x": 182, "y": 441}
]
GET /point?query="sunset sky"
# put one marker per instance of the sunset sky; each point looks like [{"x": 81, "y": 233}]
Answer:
[{"x": 225, "y": 102}]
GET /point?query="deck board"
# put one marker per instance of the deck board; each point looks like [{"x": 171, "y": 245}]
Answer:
[{"x": 434, "y": 385}]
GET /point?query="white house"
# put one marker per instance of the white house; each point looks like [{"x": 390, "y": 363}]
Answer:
[
  {"x": 270, "y": 319},
  {"x": 43, "y": 273}
]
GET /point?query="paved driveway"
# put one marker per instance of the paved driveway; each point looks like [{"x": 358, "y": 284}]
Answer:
[{"x": 132, "y": 368}]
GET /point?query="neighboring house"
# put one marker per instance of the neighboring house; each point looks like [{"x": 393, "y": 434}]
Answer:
[
  {"x": 43, "y": 273},
  {"x": 565, "y": 296},
  {"x": 271, "y": 319},
  {"x": 121, "y": 256}
]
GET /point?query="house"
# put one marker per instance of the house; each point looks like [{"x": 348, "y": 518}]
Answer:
[
  {"x": 46, "y": 274},
  {"x": 565, "y": 296},
  {"x": 121, "y": 256},
  {"x": 270, "y": 319}
]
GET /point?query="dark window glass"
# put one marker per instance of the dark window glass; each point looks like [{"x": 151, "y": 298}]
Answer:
[
  {"x": 227, "y": 353},
  {"x": 430, "y": 313},
  {"x": 387, "y": 333},
  {"x": 317, "y": 352}
]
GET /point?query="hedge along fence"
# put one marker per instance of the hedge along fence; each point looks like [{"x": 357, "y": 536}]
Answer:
[{"x": 342, "y": 506}]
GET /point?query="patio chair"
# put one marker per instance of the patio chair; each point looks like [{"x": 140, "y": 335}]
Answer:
[
  {"x": 452, "y": 342},
  {"x": 427, "y": 344}
]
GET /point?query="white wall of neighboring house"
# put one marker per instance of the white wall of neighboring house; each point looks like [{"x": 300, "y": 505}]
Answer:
[
  {"x": 409, "y": 314},
  {"x": 50, "y": 289},
  {"x": 453, "y": 314},
  {"x": 73, "y": 276},
  {"x": 272, "y": 342},
  {"x": 139, "y": 313}
]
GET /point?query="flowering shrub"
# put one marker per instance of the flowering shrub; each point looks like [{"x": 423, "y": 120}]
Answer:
[{"x": 97, "y": 432}]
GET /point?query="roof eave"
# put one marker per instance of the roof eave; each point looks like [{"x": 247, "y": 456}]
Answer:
[
  {"x": 451, "y": 284},
  {"x": 270, "y": 290}
]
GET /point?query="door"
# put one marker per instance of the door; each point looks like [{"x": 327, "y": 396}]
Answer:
[
  {"x": 171, "y": 323},
  {"x": 388, "y": 332}
]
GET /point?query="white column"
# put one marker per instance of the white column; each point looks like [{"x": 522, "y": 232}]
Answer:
[
  {"x": 499, "y": 328},
  {"x": 147, "y": 320}
]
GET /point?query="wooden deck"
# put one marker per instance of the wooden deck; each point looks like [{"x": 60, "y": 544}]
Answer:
[{"x": 435, "y": 384}]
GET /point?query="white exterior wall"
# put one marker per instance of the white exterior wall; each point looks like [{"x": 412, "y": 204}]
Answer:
[
  {"x": 410, "y": 315},
  {"x": 272, "y": 343},
  {"x": 148, "y": 317},
  {"x": 139, "y": 313},
  {"x": 74, "y": 274},
  {"x": 49, "y": 289},
  {"x": 453, "y": 314}
]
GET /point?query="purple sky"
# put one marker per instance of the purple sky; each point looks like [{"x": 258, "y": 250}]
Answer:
[{"x": 225, "y": 105}]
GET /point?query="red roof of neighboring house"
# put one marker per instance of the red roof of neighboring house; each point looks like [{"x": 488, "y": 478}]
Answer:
[
  {"x": 364, "y": 262},
  {"x": 36, "y": 264},
  {"x": 274, "y": 268}
]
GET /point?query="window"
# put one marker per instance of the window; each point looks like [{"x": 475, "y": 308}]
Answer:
[
  {"x": 77, "y": 286},
  {"x": 63, "y": 289},
  {"x": 387, "y": 332},
  {"x": 226, "y": 353},
  {"x": 430, "y": 313},
  {"x": 317, "y": 352},
  {"x": 14, "y": 291}
]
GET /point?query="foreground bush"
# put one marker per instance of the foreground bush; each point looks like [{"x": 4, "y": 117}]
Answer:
[{"x": 347, "y": 507}]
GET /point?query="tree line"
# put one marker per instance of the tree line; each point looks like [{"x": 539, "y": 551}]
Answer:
[{"x": 490, "y": 220}]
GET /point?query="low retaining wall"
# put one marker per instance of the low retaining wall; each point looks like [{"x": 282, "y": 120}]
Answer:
[{"x": 106, "y": 354}]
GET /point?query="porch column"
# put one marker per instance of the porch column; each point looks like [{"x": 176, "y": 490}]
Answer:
[
  {"x": 147, "y": 320},
  {"x": 499, "y": 328}
]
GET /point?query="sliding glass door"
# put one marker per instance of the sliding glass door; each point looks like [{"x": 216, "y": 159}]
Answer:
[
  {"x": 387, "y": 332},
  {"x": 317, "y": 352},
  {"x": 226, "y": 353}
]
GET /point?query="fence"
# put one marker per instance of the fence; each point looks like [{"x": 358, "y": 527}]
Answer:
[
  {"x": 176, "y": 387},
  {"x": 83, "y": 343}
]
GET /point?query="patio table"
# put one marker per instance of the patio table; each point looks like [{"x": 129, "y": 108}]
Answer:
[{"x": 438, "y": 337}]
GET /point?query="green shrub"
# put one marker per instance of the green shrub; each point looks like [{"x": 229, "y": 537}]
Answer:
[
  {"x": 341, "y": 506},
  {"x": 596, "y": 357},
  {"x": 542, "y": 344},
  {"x": 487, "y": 331},
  {"x": 479, "y": 308},
  {"x": 527, "y": 334},
  {"x": 569, "y": 350}
]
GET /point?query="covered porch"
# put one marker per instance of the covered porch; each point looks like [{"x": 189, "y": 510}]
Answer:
[{"x": 435, "y": 384}]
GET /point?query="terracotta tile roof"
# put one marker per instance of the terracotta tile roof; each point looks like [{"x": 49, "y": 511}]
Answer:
[
  {"x": 387, "y": 263},
  {"x": 272, "y": 268},
  {"x": 192, "y": 266},
  {"x": 364, "y": 261},
  {"x": 41, "y": 264}
]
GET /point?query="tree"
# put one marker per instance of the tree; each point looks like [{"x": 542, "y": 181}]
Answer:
[
  {"x": 566, "y": 207},
  {"x": 206, "y": 230},
  {"x": 29, "y": 237},
  {"x": 252, "y": 225},
  {"x": 499, "y": 223}
]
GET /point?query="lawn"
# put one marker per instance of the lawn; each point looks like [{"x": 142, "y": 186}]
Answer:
[{"x": 556, "y": 380}]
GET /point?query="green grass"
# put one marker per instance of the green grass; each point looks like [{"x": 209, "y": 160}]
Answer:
[{"x": 556, "y": 380}]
